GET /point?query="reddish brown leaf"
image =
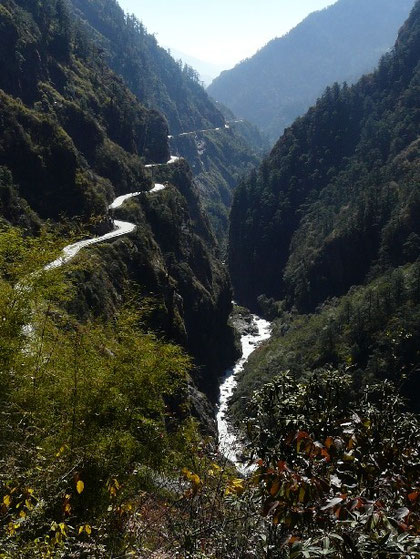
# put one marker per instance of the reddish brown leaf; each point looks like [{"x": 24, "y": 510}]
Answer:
[
  {"x": 269, "y": 507},
  {"x": 351, "y": 443},
  {"x": 329, "y": 441},
  {"x": 414, "y": 496},
  {"x": 275, "y": 488},
  {"x": 308, "y": 447},
  {"x": 325, "y": 454},
  {"x": 290, "y": 438}
]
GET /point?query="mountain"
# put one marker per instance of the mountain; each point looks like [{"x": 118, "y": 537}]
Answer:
[
  {"x": 325, "y": 236},
  {"x": 148, "y": 69},
  {"x": 283, "y": 79},
  {"x": 108, "y": 444},
  {"x": 103, "y": 358},
  {"x": 206, "y": 70},
  {"x": 73, "y": 137},
  {"x": 174, "y": 90}
]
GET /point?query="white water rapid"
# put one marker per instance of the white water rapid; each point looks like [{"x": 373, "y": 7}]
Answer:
[{"x": 229, "y": 444}]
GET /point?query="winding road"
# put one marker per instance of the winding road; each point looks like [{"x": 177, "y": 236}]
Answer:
[
  {"x": 225, "y": 126},
  {"x": 229, "y": 444},
  {"x": 120, "y": 227}
]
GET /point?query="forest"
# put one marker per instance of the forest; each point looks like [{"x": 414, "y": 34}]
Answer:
[
  {"x": 218, "y": 156},
  {"x": 110, "y": 363}
]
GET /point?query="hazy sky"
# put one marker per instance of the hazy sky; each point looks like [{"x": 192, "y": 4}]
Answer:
[{"x": 220, "y": 31}]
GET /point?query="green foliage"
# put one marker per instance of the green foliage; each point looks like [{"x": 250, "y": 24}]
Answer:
[
  {"x": 84, "y": 406},
  {"x": 373, "y": 330},
  {"x": 336, "y": 201},
  {"x": 78, "y": 132},
  {"x": 338, "y": 476}
]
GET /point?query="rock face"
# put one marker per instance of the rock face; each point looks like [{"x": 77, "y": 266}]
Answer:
[
  {"x": 218, "y": 159},
  {"x": 72, "y": 137},
  {"x": 283, "y": 79},
  {"x": 72, "y": 133}
]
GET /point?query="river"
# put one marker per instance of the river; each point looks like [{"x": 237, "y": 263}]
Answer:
[{"x": 229, "y": 445}]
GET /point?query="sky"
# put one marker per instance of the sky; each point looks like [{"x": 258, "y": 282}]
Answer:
[{"x": 220, "y": 32}]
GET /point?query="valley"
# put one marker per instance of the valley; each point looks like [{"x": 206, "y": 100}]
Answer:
[{"x": 215, "y": 352}]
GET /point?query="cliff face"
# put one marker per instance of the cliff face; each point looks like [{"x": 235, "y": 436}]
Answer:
[
  {"x": 218, "y": 159},
  {"x": 170, "y": 264},
  {"x": 72, "y": 137},
  {"x": 72, "y": 133}
]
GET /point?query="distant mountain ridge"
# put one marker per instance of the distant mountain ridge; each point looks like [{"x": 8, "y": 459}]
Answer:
[
  {"x": 207, "y": 70},
  {"x": 150, "y": 72},
  {"x": 282, "y": 80}
]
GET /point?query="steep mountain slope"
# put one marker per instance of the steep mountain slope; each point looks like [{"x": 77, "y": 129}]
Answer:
[
  {"x": 218, "y": 159},
  {"x": 71, "y": 131},
  {"x": 284, "y": 78},
  {"x": 329, "y": 227},
  {"x": 338, "y": 194},
  {"x": 160, "y": 82},
  {"x": 150, "y": 72},
  {"x": 72, "y": 137}
]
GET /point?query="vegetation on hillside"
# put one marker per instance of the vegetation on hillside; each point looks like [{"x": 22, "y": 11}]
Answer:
[
  {"x": 72, "y": 133},
  {"x": 103, "y": 452},
  {"x": 282, "y": 80},
  {"x": 337, "y": 202},
  {"x": 90, "y": 412},
  {"x": 373, "y": 331},
  {"x": 217, "y": 159},
  {"x": 73, "y": 137},
  {"x": 100, "y": 456},
  {"x": 324, "y": 241}
]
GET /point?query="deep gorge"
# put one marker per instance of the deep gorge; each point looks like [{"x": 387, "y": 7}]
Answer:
[{"x": 144, "y": 413}]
